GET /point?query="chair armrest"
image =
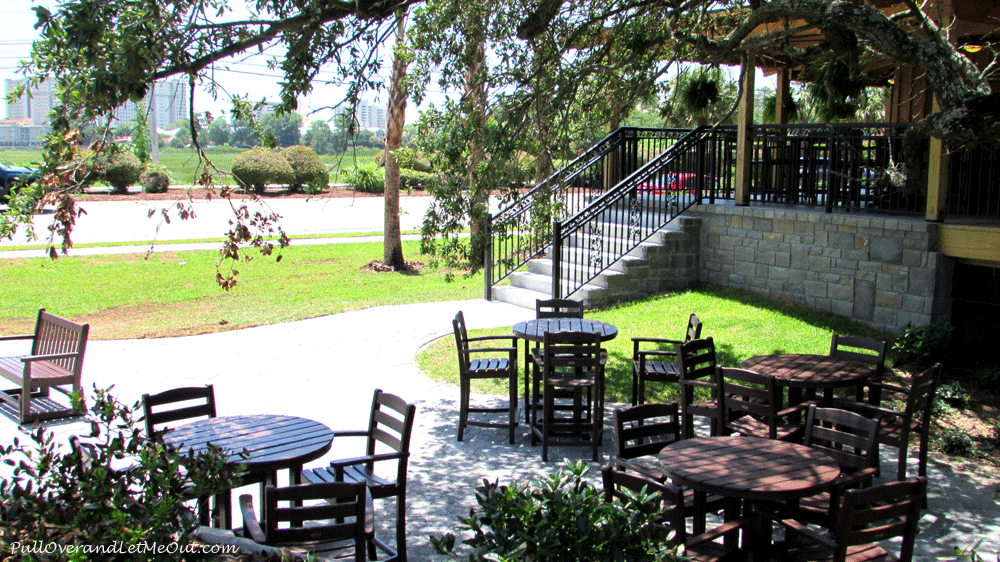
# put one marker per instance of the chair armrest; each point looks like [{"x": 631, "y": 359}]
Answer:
[
  {"x": 712, "y": 534},
  {"x": 702, "y": 384},
  {"x": 628, "y": 466},
  {"x": 799, "y": 528},
  {"x": 656, "y": 340},
  {"x": 18, "y": 337},
  {"x": 849, "y": 480},
  {"x": 488, "y": 350},
  {"x": 351, "y": 433},
  {"x": 340, "y": 463},
  {"x": 801, "y": 407},
  {"x": 250, "y": 523},
  {"x": 512, "y": 339},
  {"x": 49, "y": 356},
  {"x": 654, "y": 352},
  {"x": 887, "y": 386}
]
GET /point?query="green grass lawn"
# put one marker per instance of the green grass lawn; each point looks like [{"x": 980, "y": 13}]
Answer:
[
  {"x": 741, "y": 324},
  {"x": 174, "y": 293}
]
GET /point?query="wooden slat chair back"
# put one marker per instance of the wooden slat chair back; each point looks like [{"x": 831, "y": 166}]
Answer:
[
  {"x": 861, "y": 349},
  {"x": 698, "y": 363},
  {"x": 898, "y": 425},
  {"x": 338, "y": 528},
  {"x": 387, "y": 442},
  {"x": 482, "y": 357},
  {"x": 161, "y": 410},
  {"x": 571, "y": 363},
  {"x": 867, "y": 516},
  {"x": 558, "y": 308},
  {"x": 56, "y": 361},
  {"x": 852, "y": 440},
  {"x": 750, "y": 404},
  {"x": 645, "y": 429},
  {"x": 655, "y": 359}
]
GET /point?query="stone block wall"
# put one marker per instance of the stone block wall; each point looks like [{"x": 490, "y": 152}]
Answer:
[{"x": 881, "y": 271}]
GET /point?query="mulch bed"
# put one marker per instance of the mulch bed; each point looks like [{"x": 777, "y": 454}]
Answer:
[{"x": 381, "y": 267}]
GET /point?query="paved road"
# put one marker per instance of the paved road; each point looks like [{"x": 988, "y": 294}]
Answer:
[{"x": 130, "y": 221}]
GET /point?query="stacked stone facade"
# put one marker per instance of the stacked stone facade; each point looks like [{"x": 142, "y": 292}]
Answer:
[{"x": 881, "y": 271}]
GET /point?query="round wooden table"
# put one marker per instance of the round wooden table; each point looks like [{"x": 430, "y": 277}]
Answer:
[
  {"x": 804, "y": 372},
  {"x": 271, "y": 443},
  {"x": 534, "y": 331},
  {"x": 749, "y": 469}
]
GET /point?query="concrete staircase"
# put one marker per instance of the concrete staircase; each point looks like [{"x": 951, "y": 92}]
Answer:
[{"x": 667, "y": 261}]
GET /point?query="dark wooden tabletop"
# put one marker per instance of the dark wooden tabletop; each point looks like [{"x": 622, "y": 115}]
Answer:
[
  {"x": 534, "y": 330},
  {"x": 749, "y": 468},
  {"x": 273, "y": 442},
  {"x": 809, "y": 371}
]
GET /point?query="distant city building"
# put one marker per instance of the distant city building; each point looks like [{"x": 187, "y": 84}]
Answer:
[
  {"x": 369, "y": 116},
  {"x": 28, "y": 116}
]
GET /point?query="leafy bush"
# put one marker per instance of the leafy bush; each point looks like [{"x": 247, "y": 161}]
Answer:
[
  {"x": 57, "y": 498},
  {"x": 366, "y": 180},
  {"x": 156, "y": 179},
  {"x": 257, "y": 168},
  {"x": 953, "y": 394},
  {"x": 309, "y": 169},
  {"x": 989, "y": 377},
  {"x": 408, "y": 158},
  {"x": 956, "y": 442},
  {"x": 924, "y": 345},
  {"x": 121, "y": 170},
  {"x": 559, "y": 518},
  {"x": 412, "y": 179}
]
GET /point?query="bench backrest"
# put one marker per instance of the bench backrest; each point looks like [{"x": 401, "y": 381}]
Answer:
[{"x": 58, "y": 335}]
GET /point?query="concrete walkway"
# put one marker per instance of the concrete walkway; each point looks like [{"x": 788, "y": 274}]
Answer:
[{"x": 326, "y": 369}]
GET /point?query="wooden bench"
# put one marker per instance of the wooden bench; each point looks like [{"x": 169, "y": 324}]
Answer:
[{"x": 56, "y": 360}]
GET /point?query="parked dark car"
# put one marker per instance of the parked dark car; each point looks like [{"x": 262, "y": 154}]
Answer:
[{"x": 9, "y": 175}]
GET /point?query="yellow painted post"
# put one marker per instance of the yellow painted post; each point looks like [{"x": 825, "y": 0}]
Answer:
[{"x": 937, "y": 177}]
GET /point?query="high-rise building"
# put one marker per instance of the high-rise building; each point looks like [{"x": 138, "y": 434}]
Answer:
[
  {"x": 369, "y": 116},
  {"x": 34, "y": 105}
]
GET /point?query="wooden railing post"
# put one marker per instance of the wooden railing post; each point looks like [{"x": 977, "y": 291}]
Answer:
[{"x": 744, "y": 128}]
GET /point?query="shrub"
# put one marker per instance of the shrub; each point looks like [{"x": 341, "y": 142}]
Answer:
[
  {"x": 156, "y": 179},
  {"x": 366, "y": 180},
  {"x": 309, "y": 169},
  {"x": 956, "y": 442},
  {"x": 121, "y": 170},
  {"x": 412, "y": 179},
  {"x": 257, "y": 168},
  {"x": 924, "y": 345},
  {"x": 558, "y": 517},
  {"x": 54, "y": 497},
  {"x": 953, "y": 394}
]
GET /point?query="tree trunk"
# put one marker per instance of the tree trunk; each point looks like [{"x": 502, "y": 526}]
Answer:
[
  {"x": 475, "y": 92},
  {"x": 392, "y": 246}
]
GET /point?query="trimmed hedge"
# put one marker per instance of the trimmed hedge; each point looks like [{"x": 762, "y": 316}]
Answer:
[
  {"x": 412, "y": 179},
  {"x": 309, "y": 169},
  {"x": 155, "y": 180},
  {"x": 257, "y": 168},
  {"x": 121, "y": 171}
]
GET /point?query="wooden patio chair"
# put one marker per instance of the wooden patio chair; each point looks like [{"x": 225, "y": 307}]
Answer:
[
  {"x": 558, "y": 308},
  {"x": 863, "y": 350},
  {"x": 898, "y": 425},
  {"x": 621, "y": 485},
  {"x": 698, "y": 362},
  {"x": 339, "y": 528},
  {"x": 866, "y": 516},
  {"x": 750, "y": 404},
  {"x": 641, "y": 432},
  {"x": 571, "y": 362},
  {"x": 852, "y": 440},
  {"x": 177, "y": 404},
  {"x": 485, "y": 362},
  {"x": 389, "y": 428},
  {"x": 55, "y": 362},
  {"x": 652, "y": 363}
]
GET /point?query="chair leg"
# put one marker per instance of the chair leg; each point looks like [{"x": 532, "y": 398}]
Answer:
[
  {"x": 635, "y": 388},
  {"x": 512, "y": 407},
  {"x": 463, "y": 406},
  {"x": 401, "y": 527},
  {"x": 901, "y": 464},
  {"x": 547, "y": 407}
]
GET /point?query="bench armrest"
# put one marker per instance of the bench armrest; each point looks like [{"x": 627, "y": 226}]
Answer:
[
  {"x": 18, "y": 337},
  {"x": 49, "y": 356}
]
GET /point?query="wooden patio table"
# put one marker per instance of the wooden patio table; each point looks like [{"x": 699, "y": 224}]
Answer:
[
  {"x": 751, "y": 470},
  {"x": 534, "y": 331},
  {"x": 271, "y": 443},
  {"x": 804, "y": 372}
]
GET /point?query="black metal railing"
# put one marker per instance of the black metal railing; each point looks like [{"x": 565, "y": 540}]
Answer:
[
  {"x": 523, "y": 230},
  {"x": 836, "y": 166},
  {"x": 686, "y": 173},
  {"x": 629, "y": 185}
]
